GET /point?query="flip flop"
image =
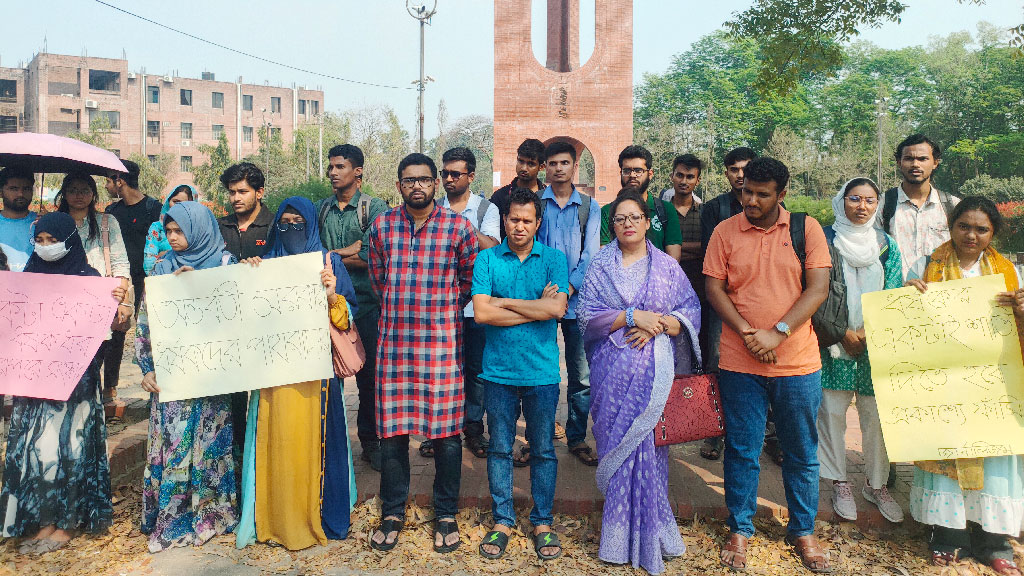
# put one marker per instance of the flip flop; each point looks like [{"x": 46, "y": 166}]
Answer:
[
  {"x": 386, "y": 527},
  {"x": 446, "y": 527},
  {"x": 522, "y": 460},
  {"x": 494, "y": 538},
  {"x": 547, "y": 540},
  {"x": 427, "y": 448},
  {"x": 46, "y": 545},
  {"x": 584, "y": 453},
  {"x": 477, "y": 446}
]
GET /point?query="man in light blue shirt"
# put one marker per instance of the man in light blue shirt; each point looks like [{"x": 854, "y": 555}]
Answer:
[
  {"x": 458, "y": 171},
  {"x": 16, "y": 219},
  {"x": 571, "y": 224}
]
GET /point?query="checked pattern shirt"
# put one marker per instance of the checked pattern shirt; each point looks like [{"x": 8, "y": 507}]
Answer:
[{"x": 424, "y": 278}]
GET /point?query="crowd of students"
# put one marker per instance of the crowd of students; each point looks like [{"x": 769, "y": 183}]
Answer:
[{"x": 458, "y": 300}]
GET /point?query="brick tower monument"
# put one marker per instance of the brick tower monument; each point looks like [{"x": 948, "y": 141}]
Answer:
[{"x": 589, "y": 106}]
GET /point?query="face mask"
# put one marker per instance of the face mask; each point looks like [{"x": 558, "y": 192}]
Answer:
[
  {"x": 294, "y": 241},
  {"x": 52, "y": 252}
]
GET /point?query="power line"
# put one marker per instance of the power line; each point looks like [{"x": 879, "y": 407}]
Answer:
[{"x": 260, "y": 58}]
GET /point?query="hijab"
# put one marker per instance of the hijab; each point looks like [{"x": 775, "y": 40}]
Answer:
[
  {"x": 174, "y": 192},
  {"x": 278, "y": 245},
  {"x": 862, "y": 269},
  {"x": 62, "y": 226},
  {"x": 205, "y": 244}
]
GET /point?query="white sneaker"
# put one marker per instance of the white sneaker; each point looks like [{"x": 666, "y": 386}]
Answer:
[
  {"x": 885, "y": 502},
  {"x": 843, "y": 502}
]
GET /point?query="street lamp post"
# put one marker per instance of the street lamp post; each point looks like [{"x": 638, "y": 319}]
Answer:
[
  {"x": 421, "y": 13},
  {"x": 879, "y": 114}
]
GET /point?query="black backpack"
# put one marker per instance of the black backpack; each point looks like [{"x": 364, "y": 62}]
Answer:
[
  {"x": 832, "y": 318},
  {"x": 889, "y": 206}
]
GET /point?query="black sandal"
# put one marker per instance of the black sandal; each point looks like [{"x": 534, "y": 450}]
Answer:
[
  {"x": 547, "y": 540},
  {"x": 584, "y": 453},
  {"x": 386, "y": 527},
  {"x": 522, "y": 460},
  {"x": 445, "y": 527},
  {"x": 477, "y": 446},
  {"x": 494, "y": 538},
  {"x": 427, "y": 449}
]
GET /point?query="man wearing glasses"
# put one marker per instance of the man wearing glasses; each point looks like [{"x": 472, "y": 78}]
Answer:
[
  {"x": 636, "y": 171},
  {"x": 458, "y": 170},
  {"x": 421, "y": 264}
]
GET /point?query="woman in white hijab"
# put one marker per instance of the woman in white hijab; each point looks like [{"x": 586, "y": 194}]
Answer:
[{"x": 871, "y": 262}]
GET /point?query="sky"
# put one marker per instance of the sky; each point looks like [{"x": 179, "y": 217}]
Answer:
[{"x": 377, "y": 41}]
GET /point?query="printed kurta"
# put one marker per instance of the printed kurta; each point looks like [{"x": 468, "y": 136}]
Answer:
[{"x": 423, "y": 277}]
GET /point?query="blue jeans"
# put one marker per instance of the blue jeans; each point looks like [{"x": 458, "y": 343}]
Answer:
[
  {"x": 473, "y": 338},
  {"x": 745, "y": 402},
  {"x": 538, "y": 404},
  {"x": 578, "y": 389}
]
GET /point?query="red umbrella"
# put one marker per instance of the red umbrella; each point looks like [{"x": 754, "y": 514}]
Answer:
[{"x": 48, "y": 153}]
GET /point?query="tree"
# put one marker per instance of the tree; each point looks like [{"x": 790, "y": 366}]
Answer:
[
  {"x": 154, "y": 172},
  {"x": 207, "y": 174}
]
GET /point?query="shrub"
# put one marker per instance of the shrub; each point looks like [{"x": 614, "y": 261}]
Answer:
[
  {"x": 1012, "y": 239},
  {"x": 820, "y": 210},
  {"x": 995, "y": 189}
]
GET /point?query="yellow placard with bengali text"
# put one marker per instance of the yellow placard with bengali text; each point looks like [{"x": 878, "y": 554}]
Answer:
[
  {"x": 237, "y": 328},
  {"x": 947, "y": 372}
]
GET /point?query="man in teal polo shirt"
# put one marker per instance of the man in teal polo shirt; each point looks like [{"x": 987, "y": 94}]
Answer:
[
  {"x": 636, "y": 171},
  {"x": 520, "y": 290}
]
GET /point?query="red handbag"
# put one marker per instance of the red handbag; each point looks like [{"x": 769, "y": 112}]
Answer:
[
  {"x": 347, "y": 350},
  {"x": 693, "y": 410}
]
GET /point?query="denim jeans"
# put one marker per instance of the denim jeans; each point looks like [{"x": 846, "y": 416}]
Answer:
[
  {"x": 578, "y": 389},
  {"x": 538, "y": 404},
  {"x": 474, "y": 337},
  {"x": 394, "y": 475},
  {"x": 745, "y": 402},
  {"x": 366, "y": 416}
]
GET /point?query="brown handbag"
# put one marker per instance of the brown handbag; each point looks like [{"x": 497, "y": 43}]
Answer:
[
  {"x": 129, "y": 298},
  {"x": 693, "y": 410},
  {"x": 347, "y": 350}
]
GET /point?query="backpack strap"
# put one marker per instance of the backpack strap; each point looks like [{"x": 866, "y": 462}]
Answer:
[
  {"x": 946, "y": 201},
  {"x": 797, "y": 235},
  {"x": 659, "y": 209},
  {"x": 889, "y": 208},
  {"x": 883, "y": 246},
  {"x": 830, "y": 234},
  {"x": 363, "y": 207},
  {"x": 583, "y": 214},
  {"x": 105, "y": 230},
  {"x": 325, "y": 207},
  {"x": 724, "y": 208},
  {"x": 481, "y": 211}
]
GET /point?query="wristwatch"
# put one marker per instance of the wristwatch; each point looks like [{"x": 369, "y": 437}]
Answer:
[{"x": 784, "y": 328}]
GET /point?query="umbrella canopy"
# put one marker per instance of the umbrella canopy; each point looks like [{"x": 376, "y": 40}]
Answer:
[{"x": 55, "y": 154}]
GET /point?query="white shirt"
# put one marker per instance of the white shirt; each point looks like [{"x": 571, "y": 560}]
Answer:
[
  {"x": 918, "y": 231},
  {"x": 489, "y": 227}
]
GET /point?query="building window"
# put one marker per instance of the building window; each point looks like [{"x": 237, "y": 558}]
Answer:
[
  {"x": 275, "y": 133},
  {"x": 218, "y": 129},
  {"x": 153, "y": 159},
  {"x": 186, "y": 97},
  {"x": 218, "y": 100},
  {"x": 104, "y": 81},
  {"x": 186, "y": 130},
  {"x": 315, "y": 104},
  {"x": 153, "y": 130},
  {"x": 186, "y": 163},
  {"x": 8, "y": 90},
  {"x": 61, "y": 128},
  {"x": 302, "y": 107},
  {"x": 275, "y": 104},
  {"x": 153, "y": 94},
  {"x": 246, "y": 133},
  {"x": 113, "y": 118},
  {"x": 247, "y": 102},
  {"x": 8, "y": 124}
]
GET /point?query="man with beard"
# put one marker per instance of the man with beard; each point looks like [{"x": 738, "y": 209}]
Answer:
[
  {"x": 636, "y": 172},
  {"x": 421, "y": 264},
  {"x": 529, "y": 161},
  {"x": 915, "y": 212},
  {"x": 16, "y": 220},
  {"x": 245, "y": 230},
  {"x": 345, "y": 219}
]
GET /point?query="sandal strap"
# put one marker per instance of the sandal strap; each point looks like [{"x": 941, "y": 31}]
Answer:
[
  {"x": 1004, "y": 566},
  {"x": 550, "y": 540},
  {"x": 501, "y": 540},
  {"x": 446, "y": 526}
]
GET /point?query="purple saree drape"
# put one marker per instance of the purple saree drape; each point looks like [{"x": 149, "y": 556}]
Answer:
[{"x": 629, "y": 388}]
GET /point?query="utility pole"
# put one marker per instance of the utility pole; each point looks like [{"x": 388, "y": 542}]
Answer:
[
  {"x": 879, "y": 114},
  {"x": 421, "y": 13},
  {"x": 320, "y": 146}
]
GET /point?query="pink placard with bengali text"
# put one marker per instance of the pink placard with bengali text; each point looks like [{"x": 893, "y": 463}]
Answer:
[{"x": 51, "y": 327}]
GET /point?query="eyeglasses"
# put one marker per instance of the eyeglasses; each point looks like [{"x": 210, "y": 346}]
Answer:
[
  {"x": 631, "y": 171},
  {"x": 634, "y": 218},
  {"x": 423, "y": 181},
  {"x": 453, "y": 174},
  {"x": 284, "y": 226},
  {"x": 864, "y": 199}
]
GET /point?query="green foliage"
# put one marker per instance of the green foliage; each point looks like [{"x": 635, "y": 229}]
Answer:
[
  {"x": 819, "y": 208},
  {"x": 315, "y": 190},
  {"x": 154, "y": 174},
  {"x": 474, "y": 132},
  {"x": 98, "y": 134},
  {"x": 207, "y": 174},
  {"x": 996, "y": 189}
]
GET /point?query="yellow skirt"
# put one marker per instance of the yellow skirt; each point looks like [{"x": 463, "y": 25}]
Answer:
[{"x": 289, "y": 471}]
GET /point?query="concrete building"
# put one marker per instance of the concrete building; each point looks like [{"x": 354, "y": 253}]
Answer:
[
  {"x": 149, "y": 114},
  {"x": 588, "y": 105}
]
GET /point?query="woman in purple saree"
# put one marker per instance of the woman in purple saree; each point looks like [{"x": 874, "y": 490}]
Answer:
[{"x": 636, "y": 304}]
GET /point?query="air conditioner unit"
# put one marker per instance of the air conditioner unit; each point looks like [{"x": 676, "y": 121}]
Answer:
[
  {"x": 168, "y": 79},
  {"x": 92, "y": 104},
  {"x": 131, "y": 75},
  {"x": 186, "y": 142}
]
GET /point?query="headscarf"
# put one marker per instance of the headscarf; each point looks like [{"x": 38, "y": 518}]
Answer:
[
  {"x": 62, "y": 226},
  {"x": 305, "y": 209},
  {"x": 862, "y": 269},
  {"x": 205, "y": 244},
  {"x": 156, "y": 237}
]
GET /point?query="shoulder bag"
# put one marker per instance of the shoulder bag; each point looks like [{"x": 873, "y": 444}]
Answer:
[
  {"x": 347, "y": 349},
  {"x": 693, "y": 410}
]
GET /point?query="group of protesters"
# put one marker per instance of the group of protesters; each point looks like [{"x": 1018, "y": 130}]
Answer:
[{"x": 458, "y": 300}]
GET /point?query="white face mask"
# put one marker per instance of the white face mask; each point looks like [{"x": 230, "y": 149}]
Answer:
[{"x": 52, "y": 252}]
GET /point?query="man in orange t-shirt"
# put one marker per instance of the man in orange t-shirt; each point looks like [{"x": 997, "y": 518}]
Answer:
[{"x": 769, "y": 355}]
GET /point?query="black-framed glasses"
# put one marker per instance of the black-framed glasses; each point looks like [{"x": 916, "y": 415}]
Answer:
[
  {"x": 631, "y": 171},
  {"x": 453, "y": 174},
  {"x": 634, "y": 218},
  {"x": 284, "y": 226},
  {"x": 411, "y": 182}
]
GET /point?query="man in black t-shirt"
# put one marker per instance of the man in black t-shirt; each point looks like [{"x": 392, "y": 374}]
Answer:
[
  {"x": 134, "y": 212},
  {"x": 529, "y": 161}
]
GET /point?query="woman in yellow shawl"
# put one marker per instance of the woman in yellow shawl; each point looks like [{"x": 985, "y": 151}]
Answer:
[{"x": 972, "y": 504}]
